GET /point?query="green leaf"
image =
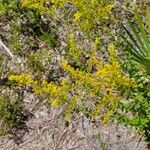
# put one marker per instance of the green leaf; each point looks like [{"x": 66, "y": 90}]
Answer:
[
  {"x": 148, "y": 17},
  {"x": 138, "y": 57},
  {"x": 143, "y": 33},
  {"x": 143, "y": 51}
]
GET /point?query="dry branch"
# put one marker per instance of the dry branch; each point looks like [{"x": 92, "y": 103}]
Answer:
[{"x": 5, "y": 50}]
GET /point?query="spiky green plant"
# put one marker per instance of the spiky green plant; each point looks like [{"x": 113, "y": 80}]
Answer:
[{"x": 138, "y": 38}]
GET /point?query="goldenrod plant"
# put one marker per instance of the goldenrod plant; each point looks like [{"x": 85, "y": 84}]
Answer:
[
  {"x": 87, "y": 13},
  {"x": 98, "y": 88}
]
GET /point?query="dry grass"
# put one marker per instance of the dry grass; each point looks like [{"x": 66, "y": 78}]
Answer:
[{"x": 47, "y": 131}]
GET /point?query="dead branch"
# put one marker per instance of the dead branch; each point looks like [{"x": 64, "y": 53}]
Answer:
[{"x": 5, "y": 50}]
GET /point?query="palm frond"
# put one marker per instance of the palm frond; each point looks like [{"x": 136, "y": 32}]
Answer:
[
  {"x": 142, "y": 30},
  {"x": 137, "y": 38},
  {"x": 148, "y": 18}
]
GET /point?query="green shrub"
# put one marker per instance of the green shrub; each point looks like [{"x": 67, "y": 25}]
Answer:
[
  {"x": 90, "y": 86},
  {"x": 26, "y": 29},
  {"x": 11, "y": 113},
  {"x": 86, "y": 14},
  {"x": 134, "y": 110}
]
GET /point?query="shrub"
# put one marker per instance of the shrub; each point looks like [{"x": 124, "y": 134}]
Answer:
[
  {"x": 25, "y": 28},
  {"x": 91, "y": 86},
  {"x": 86, "y": 13},
  {"x": 11, "y": 113},
  {"x": 135, "y": 112}
]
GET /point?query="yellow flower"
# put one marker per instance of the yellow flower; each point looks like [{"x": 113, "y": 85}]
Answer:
[
  {"x": 24, "y": 79},
  {"x": 77, "y": 15},
  {"x": 55, "y": 103}
]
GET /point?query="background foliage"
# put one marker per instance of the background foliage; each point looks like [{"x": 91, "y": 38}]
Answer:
[{"x": 83, "y": 75}]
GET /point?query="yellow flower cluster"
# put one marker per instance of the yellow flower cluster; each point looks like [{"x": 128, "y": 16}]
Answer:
[
  {"x": 77, "y": 16},
  {"x": 87, "y": 12},
  {"x": 37, "y": 4},
  {"x": 100, "y": 90},
  {"x": 24, "y": 79},
  {"x": 105, "y": 83}
]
